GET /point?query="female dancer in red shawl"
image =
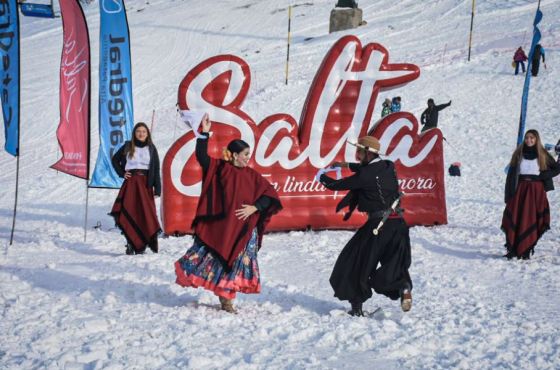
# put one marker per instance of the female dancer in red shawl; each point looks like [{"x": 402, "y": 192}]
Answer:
[
  {"x": 235, "y": 205},
  {"x": 527, "y": 215},
  {"x": 134, "y": 209}
]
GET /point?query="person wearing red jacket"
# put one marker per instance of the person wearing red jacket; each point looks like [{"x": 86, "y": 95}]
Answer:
[
  {"x": 134, "y": 210},
  {"x": 235, "y": 205},
  {"x": 519, "y": 58}
]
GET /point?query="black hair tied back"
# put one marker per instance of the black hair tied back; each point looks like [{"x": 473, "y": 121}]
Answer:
[{"x": 237, "y": 146}]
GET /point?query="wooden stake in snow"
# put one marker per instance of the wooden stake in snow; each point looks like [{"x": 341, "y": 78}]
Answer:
[
  {"x": 152, "y": 123},
  {"x": 470, "y": 34},
  {"x": 289, "y": 37}
]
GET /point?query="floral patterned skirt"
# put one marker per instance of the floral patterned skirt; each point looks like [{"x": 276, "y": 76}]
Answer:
[{"x": 200, "y": 267}]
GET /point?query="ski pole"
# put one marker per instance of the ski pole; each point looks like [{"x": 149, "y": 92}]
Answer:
[{"x": 448, "y": 143}]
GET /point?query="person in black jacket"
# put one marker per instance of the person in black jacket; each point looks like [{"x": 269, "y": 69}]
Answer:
[
  {"x": 527, "y": 215},
  {"x": 134, "y": 210},
  {"x": 429, "y": 117},
  {"x": 538, "y": 53},
  {"x": 373, "y": 189}
]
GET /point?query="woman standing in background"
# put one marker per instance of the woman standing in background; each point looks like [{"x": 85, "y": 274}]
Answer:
[
  {"x": 527, "y": 214},
  {"x": 134, "y": 210}
]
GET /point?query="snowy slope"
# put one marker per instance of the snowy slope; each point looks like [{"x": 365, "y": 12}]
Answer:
[{"x": 75, "y": 305}]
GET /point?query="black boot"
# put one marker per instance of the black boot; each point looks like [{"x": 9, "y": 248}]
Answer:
[
  {"x": 153, "y": 244},
  {"x": 129, "y": 249},
  {"x": 356, "y": 309}
]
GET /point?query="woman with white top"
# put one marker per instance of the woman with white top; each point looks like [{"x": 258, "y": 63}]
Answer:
[
  {"x": 134, "y": 210},
  {"x": 527, "y": 215}
]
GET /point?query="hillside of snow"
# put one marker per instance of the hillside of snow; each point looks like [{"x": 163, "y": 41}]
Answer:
[{"x": 70, "y": 304}]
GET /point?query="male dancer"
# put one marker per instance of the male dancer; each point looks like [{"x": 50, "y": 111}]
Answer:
[{"x": 373, "y": 189}]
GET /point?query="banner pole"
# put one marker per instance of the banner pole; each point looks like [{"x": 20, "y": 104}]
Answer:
[
  {"x": 525, "y": 95},
  {"x": 289, "y": 37},
  {"x": 152, "y": 123},
  {"x": 86, "y": 215},
  {"x": 470, "y": 34},
  {"x": 15, "y": 202}
]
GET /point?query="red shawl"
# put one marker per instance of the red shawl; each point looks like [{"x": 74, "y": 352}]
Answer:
[{"x": 225, "y": 188}]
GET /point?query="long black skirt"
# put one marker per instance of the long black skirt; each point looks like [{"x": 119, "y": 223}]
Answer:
[{"x": 379, "y": 262}]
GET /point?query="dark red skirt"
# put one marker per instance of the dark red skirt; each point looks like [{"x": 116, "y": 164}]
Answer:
[
  {"x": 526, "y": 218},
  {"x": 135, "y": 213}
]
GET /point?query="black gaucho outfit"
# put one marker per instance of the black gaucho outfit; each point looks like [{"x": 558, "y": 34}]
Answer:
[{"x": 371, "y": 261}]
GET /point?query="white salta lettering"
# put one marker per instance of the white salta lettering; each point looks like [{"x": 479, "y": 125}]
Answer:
[{"x": 281, "y": 131}]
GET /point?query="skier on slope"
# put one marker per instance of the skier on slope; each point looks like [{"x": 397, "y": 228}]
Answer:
[
  {"x": 538, "y": 53},
  {"x": 429, "y": 117},
  {"x": 519, "y": 58}
]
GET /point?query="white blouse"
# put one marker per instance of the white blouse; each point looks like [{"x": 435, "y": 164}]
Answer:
[
  {"x": 529, "y": 167},
  {"x": 140, "y": 160}
]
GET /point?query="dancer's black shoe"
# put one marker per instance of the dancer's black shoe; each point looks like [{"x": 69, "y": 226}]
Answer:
[
  {"x": 129, "y": 249},
  {"x": 356, "y": 309}
]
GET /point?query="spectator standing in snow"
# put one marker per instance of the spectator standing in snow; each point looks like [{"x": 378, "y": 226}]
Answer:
[
  {"x": 134, "y": 210},
  {"x": 538, "y": 53},
  {"x": 373, "y": 189},
  {"x": 429, "y": 117},
  {"x": 519, "y": 58},
  {"x": 386, "y": 108},
  {"x": 526, "y": 216},
  {"x": 396, "y": 104},
  {"x": 235, "y": 205}
]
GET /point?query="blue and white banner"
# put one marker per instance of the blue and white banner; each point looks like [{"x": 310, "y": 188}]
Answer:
[
  {"x": 116, "y": 114},
  {"x": 525, "y": 97},
  {"x": 9, "y": 75},
  {"x": 37, "y": 10}
]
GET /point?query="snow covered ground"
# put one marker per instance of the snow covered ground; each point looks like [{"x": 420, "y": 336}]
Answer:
[{"x": 67, "y": 304}]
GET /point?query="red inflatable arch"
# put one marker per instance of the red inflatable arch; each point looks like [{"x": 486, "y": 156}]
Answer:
[{"x": 338, "y": 108}]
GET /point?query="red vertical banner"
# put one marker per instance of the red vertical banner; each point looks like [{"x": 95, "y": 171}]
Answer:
[{"x": 74, "y": 127}]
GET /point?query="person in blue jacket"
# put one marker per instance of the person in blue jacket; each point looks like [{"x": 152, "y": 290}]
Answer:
[{"x": 396, "y": 104}]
